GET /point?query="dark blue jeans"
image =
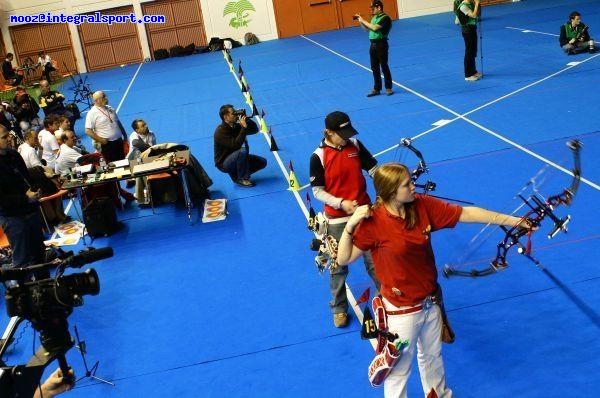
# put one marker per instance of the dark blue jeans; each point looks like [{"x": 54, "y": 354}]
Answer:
[
  {"x": 240, "y": 165},
  {"x": 378, "y": 53},
  {"x": 26, "y": 239}
]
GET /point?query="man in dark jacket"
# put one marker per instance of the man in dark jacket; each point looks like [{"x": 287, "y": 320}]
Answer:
[
  {"x": 574, "y": 36},
  {"x": 26, "y": 111},
  {"x": 232, "y": 153},
  {"x": 19, "y": 207}
]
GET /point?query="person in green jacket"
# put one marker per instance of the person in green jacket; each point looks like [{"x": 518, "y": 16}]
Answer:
[
  {"x": 574, "y": 36},
  {"x": 466, "y": 14},
  {"x": 378, "y": 28}
]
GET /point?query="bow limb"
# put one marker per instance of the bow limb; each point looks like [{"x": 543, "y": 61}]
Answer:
[{"x": 539, "y": 210}]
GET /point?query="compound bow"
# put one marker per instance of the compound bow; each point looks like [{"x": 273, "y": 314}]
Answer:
[{"x": 539, "y": 209}]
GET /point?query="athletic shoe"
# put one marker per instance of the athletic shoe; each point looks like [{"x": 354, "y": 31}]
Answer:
[
  {"x": 472, "y": 78},
  {"x": 389, "y": 91},
  {"x": 340, "y": 320},
  {"x": 373, "y": 93},
  {"x": 245, "y": 183}
]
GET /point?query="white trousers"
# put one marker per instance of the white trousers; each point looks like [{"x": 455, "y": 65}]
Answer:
[{"x": 423, "y": 331}]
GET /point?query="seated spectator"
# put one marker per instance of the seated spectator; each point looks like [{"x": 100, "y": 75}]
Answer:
[
  {"x": 44, "y": 180},
  {"x": 29, "y": 149},
  {"x": 63, "y": 125},
  {"x": 45, "y": 62},
  {"x": 51, "y": 102},
  {"x": 26, "y": 111},
  {"x": 574, "y": 36},
  {"x": 67, "y": 158},
  {"x": 8, "y": 119},
  {"x": 140, "y": 139},
  {"x": 48, "y": 141},
  {"x": 9, "y": 72}
]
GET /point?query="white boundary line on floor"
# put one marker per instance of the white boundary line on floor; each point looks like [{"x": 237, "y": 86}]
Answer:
[
  {"x": 462, "y": 117},
  {"x": 531, "y": 31}
]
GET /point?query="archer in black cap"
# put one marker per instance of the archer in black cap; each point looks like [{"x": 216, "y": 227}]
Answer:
[
  {"x": 337, "y": 180},
  {"x": 378, "y": 28},
  {"x": 340, "y": 123}
]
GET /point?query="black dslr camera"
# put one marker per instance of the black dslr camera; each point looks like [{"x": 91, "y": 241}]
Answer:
[
  {"x": 240, "y": 112},
  {"x": 46, "y": 303}
]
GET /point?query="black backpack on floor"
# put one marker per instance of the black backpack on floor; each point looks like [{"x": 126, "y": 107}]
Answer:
[{"x": 100, "y": 217}]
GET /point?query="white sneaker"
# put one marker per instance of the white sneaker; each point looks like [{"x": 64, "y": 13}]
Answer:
[{"x": 472, "y": 78}]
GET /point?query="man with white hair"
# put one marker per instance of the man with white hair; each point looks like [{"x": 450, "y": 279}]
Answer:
[{"x": 103, "y": 126}]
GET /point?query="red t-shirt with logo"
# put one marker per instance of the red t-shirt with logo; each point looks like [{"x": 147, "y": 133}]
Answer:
[{"x": 404, "y": 259}]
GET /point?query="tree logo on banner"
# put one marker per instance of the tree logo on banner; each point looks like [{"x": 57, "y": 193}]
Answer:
[{"x": 242, "y": 10}]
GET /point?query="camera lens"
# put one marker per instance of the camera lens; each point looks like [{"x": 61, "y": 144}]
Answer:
[{"x": 73, "y": 286}]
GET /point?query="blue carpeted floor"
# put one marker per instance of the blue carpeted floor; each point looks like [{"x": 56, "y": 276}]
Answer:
[{"x": 237, "y": 309}]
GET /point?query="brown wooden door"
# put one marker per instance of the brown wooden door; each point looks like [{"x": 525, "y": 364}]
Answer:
[
  {"x": 183, "y": 25},
  {"x": 28, "y": 40},
  {"x": 296, "y": 17},
  {"x": 106, "y": 46}
]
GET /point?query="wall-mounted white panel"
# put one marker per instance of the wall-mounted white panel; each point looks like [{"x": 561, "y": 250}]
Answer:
[{"x": 227, "y": 18}]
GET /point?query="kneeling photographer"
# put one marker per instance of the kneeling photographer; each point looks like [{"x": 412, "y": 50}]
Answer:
[
  {"x": 231, "y": 149},
  {"x": 46, "y": 304}
]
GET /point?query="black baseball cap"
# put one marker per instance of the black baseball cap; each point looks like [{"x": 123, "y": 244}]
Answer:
[
  {"x": 340, "y": 123},
  {"x": 376, "y": 3}
]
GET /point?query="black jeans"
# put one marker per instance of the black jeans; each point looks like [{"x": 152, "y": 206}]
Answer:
[
  {"x": 469, "y": 34},
  {"x": 378, "y": 52}
]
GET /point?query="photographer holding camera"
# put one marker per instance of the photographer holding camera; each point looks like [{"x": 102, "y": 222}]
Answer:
[
  {"x": 574, "y": 36},
  {"x": 378, "y": 29},
  {"x": 231, "y": 149}
]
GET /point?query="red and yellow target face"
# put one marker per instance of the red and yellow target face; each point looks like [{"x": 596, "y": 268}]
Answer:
[{"x": 214, "y": 208}]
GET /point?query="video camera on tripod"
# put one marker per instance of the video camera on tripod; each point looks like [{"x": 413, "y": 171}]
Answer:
[{"x": 46, "y": 303}]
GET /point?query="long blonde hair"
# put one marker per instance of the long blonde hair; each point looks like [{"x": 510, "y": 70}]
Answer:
[{"x": 387, "y": 179}]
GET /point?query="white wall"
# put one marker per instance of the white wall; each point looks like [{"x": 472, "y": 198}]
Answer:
[
  {"x": 415, "y": 8},
  {"x": 261, "y": 22}
]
